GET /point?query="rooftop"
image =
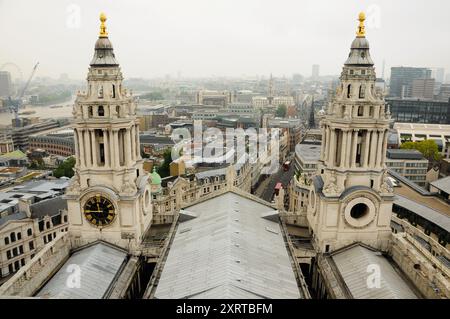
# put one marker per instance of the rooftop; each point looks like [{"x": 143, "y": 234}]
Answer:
[
  {"x": 442, "y": 184},
  {"x": 424, "y": 211},
  {"x": 308, "y": 152},
  {"x": 99, "y": 265},
  {"x": 352, "y": 264},
  {"x": 404, "y": 154},
  {"x": 228, "y": 246}
]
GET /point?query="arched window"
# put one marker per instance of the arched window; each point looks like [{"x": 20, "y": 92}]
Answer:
[
  {"x": 29, "y": 232},
  {"x": 360, "y": 110},
  {"x": 349, "y": 90},
  {"x": 47, "y": 225},
  {"x": 12, "y": 236},
  {"x": 65, "y": 218},
  {"x": 362, "y": 92},
  {"x": 19, "y": 236},
  {"x": 6, "y": 241},
  {"x": 101, "y": 111}
]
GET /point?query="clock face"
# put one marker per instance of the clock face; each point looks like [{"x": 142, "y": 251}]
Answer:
[{"x": 99, "y": 211}]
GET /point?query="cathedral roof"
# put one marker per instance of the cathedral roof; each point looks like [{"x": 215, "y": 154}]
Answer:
[
  {"x": 104, "y": 52},
  {"x": 228, "y": 247},
  {"x": 351, "y": 265},
  {"x": 99, "y": 265}
]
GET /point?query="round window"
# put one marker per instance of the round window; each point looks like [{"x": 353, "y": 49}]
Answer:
[{"x": 359, "y": 211}]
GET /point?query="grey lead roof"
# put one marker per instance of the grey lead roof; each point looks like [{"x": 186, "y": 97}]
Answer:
[
  {"x": 357, "y": 263},
  {"x": 426, "y": 212},
  {"x": 443, "y": 184},
  {"x": 98, "y": 266},
  {"x": 227, "y": 248},
  {"x": 49, "y": 207}
]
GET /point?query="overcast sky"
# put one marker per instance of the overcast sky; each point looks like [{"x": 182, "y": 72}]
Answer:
[{"x": 221, "y": 37}]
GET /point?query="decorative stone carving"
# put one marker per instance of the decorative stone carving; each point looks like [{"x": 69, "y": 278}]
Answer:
[
  {"x": 128, "y": 187},
  {"x": 74, "y": 186},
  {"x": 385, "y": 186},
  {"x": 331, "y": 187}
]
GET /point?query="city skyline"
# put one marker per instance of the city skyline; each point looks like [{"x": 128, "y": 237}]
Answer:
[{"x": 224, "y": 41}]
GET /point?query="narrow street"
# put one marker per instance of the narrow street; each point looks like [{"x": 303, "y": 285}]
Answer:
[{"x": 267, "y": 187}]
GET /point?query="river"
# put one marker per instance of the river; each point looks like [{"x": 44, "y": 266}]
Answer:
[{"x": 64, "y": 109}]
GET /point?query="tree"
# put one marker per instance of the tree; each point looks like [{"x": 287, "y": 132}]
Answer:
[
  {"x": 65, "y": 168},
  {"x": 281, "y": 110},
  {"x": 164, "y": 169},
  {"x": 428, "y": 148}
]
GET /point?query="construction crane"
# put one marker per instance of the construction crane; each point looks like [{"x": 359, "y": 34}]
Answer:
[{"x": 15, "y": 104}]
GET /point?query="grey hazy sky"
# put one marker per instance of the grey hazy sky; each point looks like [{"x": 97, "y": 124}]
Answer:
[{"x": 221, "y": 37}]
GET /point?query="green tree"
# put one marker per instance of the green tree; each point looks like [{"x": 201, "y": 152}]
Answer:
[
  {"x": 164, "y": 169},
  {"x": 428, "y": 148},
  {"x": 65, "y": 168},
  {"x": 281, "y": 110}
]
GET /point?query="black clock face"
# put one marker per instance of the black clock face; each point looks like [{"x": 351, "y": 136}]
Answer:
[{"x": 99, "y": 211}]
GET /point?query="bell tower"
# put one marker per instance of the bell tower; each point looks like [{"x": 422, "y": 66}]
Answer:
[
  {"x": 109, "y": 196},
  {"x": 351, "y": 199}
]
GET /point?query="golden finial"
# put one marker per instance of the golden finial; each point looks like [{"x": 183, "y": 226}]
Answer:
[
  {"x": 103, "y": 33},
  {"x": 361, "y": 28}
]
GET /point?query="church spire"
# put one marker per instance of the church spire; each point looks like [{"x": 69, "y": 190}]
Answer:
[
  {"x": 104, "y": 53},
  {"x": 359, "y": 53}
]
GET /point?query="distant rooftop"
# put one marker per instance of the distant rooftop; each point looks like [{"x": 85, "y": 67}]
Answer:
[
  {"x": 308, "y": 152},
  {"x": 404, "y": 154}
]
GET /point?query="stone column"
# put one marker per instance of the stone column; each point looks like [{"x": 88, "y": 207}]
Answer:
[
  {"x": 349, "y": 149},
  {"x": 366, "y": 148},
  {"x": 344, "y": 148},
  {"x": 385, "y": 142},
  {"x": 94, "y": 148},
  {"x": 138, "y": 144},
  {"x": 133, "y": 143},
  {"x": 332, "y": 148},
  {"x": 87, "y": 148},
  {"x": 380, "y": 148},
  {"x": 115, "y": 159},
  {"x": 322, "y": 145},
  {"x": 79, "y": 133},
  {"x": 106, "y": 146},
  {"x": 127, "y": 147},
  {"x": 354, "y": 148},
  {"x": 77, "y": 149},
  {"x": 373, "y": 147},
  {"x": 326, "y": 146}
]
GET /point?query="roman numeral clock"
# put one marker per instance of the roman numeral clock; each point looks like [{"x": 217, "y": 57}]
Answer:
[{"x": 99, "y": 211}]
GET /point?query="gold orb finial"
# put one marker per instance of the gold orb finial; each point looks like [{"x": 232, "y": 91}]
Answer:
[
  {"x": 103, "y": 33},
  {"x": 361, "y": 32}
]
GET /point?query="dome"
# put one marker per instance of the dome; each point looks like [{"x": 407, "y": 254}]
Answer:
[
  {"x": 360, "y": 43},
  {"x": 103, "y": 43},
  {"x": 155, "y": 178}
]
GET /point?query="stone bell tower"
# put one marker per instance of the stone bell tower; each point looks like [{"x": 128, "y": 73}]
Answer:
[
  {"x": 109, "y": 197},
  {"x": 351, "y": 200}
]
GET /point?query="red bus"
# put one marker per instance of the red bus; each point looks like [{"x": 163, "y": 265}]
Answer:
[{"x": 277, "y": 188}]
